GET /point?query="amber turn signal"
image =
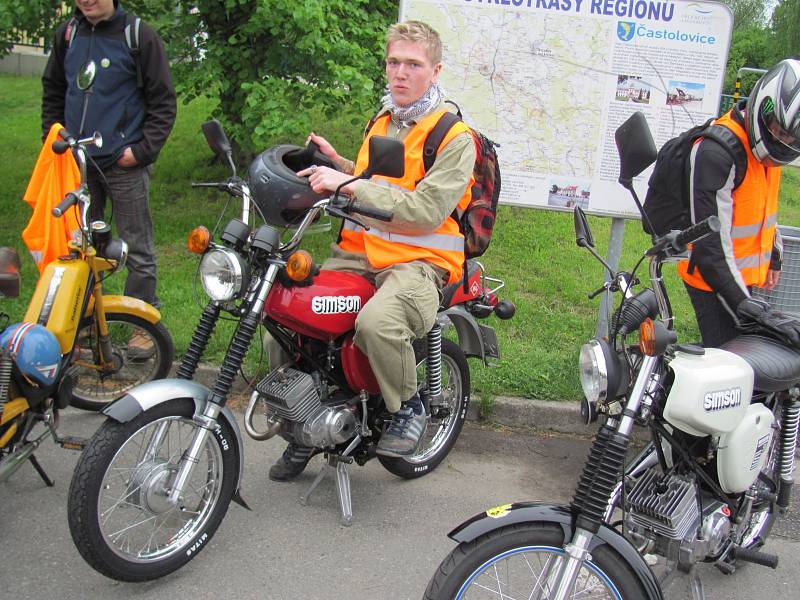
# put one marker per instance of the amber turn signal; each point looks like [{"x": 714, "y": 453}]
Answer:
[
  {"x": 647, "y": 338},
  {"x": 299, "y": 265},
  {"x": 199, "y": 239}
]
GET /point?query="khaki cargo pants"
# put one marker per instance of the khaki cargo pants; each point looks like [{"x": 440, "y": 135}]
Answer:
[{"x": 403, "y": 309}]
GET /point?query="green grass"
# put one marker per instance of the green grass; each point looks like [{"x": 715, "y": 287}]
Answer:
[{"x": 546, "y": 275}]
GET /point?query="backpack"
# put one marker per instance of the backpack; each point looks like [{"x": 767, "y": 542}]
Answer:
[
  {"x": 132, "y": 25},
  {"x": 476, "y": 222},
  {"x": 667, "y": 201}
]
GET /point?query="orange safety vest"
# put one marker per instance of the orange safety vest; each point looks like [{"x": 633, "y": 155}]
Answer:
[
  {"x": 755, "y": 215},
  {"x": 54, "y": 175},
  {"x": 445, "y": 246}
]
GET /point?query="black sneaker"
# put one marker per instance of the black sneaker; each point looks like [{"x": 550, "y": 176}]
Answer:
[
  {"x": 408, "y": 425},
  {"x": 291, "y": 463}
]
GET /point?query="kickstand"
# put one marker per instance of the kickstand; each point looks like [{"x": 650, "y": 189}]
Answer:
[
  {"x": 696, "y": 584},
  {"x": 337, "y": 463},
  {"x": 36, "y": 465}
]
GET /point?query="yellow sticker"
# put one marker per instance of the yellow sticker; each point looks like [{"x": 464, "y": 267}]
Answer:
[{"x": 499, "y": 511}]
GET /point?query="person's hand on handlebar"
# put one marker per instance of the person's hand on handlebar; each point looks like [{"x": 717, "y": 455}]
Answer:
[{"x": 325, "y": 179}]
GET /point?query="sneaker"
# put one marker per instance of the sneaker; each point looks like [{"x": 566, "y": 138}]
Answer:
[
  {"x": 408, "y": 425},
  {"x": 292, "y": 462},
  {"x": 140, "y": 346}
]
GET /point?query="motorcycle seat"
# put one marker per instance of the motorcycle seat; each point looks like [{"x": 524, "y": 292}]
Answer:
[{"x": 776, "y": 367}]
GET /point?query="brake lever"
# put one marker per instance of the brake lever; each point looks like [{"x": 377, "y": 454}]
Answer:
[{"x": 333, "y": 211}]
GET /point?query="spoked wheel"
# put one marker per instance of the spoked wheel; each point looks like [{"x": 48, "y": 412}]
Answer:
[
  {"x": 447, "y": 418},
  {"x": 141, "y": 352},
  {"x": 522, "y": 562},
  {"x": 119, "y": 514}
]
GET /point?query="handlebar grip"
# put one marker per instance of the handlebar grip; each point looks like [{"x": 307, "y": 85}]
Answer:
[
  {"x": 696, "y": 232},
  {"x": 70, "y": 199},
  {"x": 60, "y": 146},
  {"x": 371, "y": 212}
]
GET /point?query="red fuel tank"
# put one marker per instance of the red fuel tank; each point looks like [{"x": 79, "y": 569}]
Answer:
[{"x": 324, "y": 310}]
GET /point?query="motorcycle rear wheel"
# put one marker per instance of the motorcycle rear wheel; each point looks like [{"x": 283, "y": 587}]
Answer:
[
  {"x": 92, "y": 389},
  {"x": 514, "y": 562},
  {"x": 442, "y": 432},
  {"x": 118, "y": 515}
]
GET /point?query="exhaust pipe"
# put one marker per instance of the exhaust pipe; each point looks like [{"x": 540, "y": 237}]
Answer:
[{"x": 273, "y": 422}]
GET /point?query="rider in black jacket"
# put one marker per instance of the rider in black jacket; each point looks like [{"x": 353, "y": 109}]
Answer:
[{"x": 131, "y": 102}]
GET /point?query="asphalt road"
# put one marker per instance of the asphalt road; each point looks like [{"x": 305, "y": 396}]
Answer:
[{"x": 283, "y": 550}]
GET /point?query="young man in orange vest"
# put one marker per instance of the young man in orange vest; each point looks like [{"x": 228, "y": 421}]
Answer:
[
  {"x": 747, "y": 251},
  {"x": 414, "y": 255}
]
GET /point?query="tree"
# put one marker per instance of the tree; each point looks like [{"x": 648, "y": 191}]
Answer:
[
  {"x": 27, "y": 22},
  {"x": 747, "y": 13},
  {"x": 274, "y": 63},
  {"x": 750, "y": 47},
  {"x": 786, "y": 29}
]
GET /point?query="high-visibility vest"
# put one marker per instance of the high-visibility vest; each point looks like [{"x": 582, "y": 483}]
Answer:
[
  {"x": 755, "y": 215},
  {"x": 443, "y": 247}
]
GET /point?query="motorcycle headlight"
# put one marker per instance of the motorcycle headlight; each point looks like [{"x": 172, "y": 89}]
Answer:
[
  {"x": 225, "y": 275},
  {"x": 594, "y": 371}
]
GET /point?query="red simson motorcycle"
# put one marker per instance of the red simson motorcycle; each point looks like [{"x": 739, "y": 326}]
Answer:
[{"x": 156, "y": 479}]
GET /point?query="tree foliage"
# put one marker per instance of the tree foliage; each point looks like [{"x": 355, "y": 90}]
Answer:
[
  {"x": 786, "y": 29},
  {"x": 747, "y": 13},
  {"x": 27, "y": 22}
]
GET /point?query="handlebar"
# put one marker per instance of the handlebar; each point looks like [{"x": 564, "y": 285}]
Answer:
[
  {"x": 699, "y": 231},
  {"x": 370, "y": 211},
  {"x": 69, "y": 200}
]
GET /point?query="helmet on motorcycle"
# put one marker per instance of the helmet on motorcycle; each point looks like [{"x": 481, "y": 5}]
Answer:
[
  {"x": 283, "y": 197},
  {"x": 35, "y": 350},
  {"x": 773, "y": 115}
]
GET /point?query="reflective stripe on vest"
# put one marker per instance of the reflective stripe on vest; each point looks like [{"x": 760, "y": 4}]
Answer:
[
  {"x": 443, "y": 247},
  {"x": 753, "y": 220}
]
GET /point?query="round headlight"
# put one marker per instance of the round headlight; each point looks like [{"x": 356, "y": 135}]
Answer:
[
  {"x": 594, "y": 371},
  {"x": 224, "y": 274}
]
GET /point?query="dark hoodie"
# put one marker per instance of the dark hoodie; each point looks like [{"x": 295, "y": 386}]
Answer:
[{"x": 124, "y": 113}]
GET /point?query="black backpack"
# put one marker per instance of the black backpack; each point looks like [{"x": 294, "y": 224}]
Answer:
[
  {"x": 132, "y": 25},
  {"x": 476, "y": 222},
  {"x": 667, "y": 201}
]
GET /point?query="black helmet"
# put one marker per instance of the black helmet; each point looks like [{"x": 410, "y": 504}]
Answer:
[
  {"x": 773, "y": 115},
  {"x": 278, "y": 192}
]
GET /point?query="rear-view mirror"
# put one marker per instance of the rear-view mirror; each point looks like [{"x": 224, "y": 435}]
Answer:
[
  {"x": 583, "y": 235},
  {"x": 636, "y": 148},
  {"x": 386, "y": 157},
  {"x": 216, "y": 138}
]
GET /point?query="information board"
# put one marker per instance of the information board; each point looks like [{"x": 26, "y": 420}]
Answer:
[{"x": 551, "y": 80}]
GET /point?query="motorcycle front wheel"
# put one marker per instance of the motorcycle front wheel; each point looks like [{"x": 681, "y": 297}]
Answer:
[
  {"x": 118, "y": 512},
  {"x": 446, "y": 419},
  {"x": 141, "y": 352},
  {"x": 521, "y": 562}
]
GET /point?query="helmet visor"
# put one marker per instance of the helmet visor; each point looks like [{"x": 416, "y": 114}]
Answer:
[{"x": 780, "y": 136}]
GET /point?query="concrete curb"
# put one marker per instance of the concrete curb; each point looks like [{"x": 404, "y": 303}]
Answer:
[{"x": 560, "y": 417}]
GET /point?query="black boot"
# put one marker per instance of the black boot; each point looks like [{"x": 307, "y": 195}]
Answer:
[{"x": 291, "y": 463}]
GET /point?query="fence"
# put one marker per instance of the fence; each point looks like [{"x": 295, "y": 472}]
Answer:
[{"x": 786, "y": 295}]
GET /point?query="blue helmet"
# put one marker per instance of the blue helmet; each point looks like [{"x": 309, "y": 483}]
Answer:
[{"x": 35, "y": 351}]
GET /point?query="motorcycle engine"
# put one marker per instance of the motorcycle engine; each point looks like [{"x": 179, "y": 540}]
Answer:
[
  {"x": 663, "y": 517},
  {"x": 295, "y": 398}
]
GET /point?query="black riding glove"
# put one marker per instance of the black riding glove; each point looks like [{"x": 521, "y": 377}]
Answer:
[{"x": 756, "y": 315}]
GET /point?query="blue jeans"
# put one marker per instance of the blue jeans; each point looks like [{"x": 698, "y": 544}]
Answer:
[{"x": 128, "y": 189}]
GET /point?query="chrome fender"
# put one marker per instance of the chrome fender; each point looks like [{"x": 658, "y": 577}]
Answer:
[
  {"x": 532, "y": 512},
  {"x": 475, "y": 339},
  {"x": 146, "y": 396}
]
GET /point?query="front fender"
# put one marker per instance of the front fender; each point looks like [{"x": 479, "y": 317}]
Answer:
[
  {"x": 146, "y": 396},
  {"x": 532, "y": 512},
  {"x": 127, "y": 306}
]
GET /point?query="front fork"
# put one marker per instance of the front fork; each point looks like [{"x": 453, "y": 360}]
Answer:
[
  {"x": 601, "y": 474},
  {"x": 207, "y": 420}
]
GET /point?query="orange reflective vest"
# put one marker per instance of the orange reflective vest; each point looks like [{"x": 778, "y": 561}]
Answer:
[
  {"x": 443, "y": 247},
  {"x": 755, "y": 215},
  {"x": 54, "y": 175}
]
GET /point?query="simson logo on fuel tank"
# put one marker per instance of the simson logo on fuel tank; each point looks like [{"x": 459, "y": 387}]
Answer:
[
  {"x": 331, "y": 305},
  {"x": 722, "y": 399}
]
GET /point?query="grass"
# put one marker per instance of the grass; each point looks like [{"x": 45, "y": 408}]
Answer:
[{"x": 546, "y": 275}]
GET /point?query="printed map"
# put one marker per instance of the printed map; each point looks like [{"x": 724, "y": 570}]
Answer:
[{"x": 522, "y": 79}]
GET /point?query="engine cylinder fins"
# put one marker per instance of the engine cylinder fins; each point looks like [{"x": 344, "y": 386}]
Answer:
[
  {"x": 290, "y": 394},
  {"x": 665, "y": 504}
]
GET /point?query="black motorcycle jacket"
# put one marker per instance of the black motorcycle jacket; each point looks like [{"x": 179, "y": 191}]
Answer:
[{"x": 115, "y": 105}]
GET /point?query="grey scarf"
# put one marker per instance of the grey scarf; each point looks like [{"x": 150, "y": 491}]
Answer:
[{"x": 403, "y": 115}]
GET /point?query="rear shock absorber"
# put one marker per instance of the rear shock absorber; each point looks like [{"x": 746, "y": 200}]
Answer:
[
  {"x": 790, "y": 417},
  {"x": 6, "y": 363},
  {"x": 434, "y": 366}
]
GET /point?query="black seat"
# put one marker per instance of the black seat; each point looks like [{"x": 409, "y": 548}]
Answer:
[{"x": 776, "y": 367}]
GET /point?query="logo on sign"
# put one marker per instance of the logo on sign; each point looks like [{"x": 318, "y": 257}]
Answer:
[
  {"x": 331, "y": 305},
  {"x": 625, "y": 30}
]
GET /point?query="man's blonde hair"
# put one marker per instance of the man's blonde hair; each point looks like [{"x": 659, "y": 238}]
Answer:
[{"x": 417, "y": 32}]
